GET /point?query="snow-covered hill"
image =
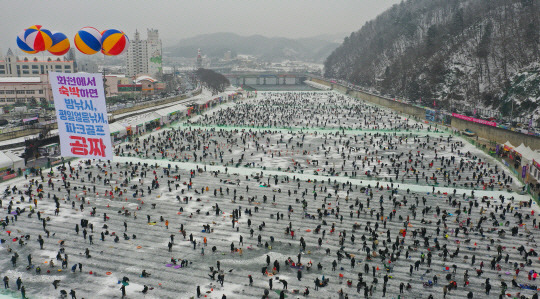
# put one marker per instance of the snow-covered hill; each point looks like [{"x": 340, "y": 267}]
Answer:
[{"x": 474, "y": 53}]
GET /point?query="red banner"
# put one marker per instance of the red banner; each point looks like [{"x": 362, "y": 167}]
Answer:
[
  {"x": 475, "y": 120},
  {"x": 9, "y": 176}
]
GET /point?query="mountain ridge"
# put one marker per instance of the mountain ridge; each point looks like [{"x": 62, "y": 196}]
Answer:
[
  {"x": 458, "y": 53},
  {"x": 268, "y": 48}
]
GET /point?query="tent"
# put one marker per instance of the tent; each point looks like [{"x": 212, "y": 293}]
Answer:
[
  {"x": 10, "y": 161},
  {"x": 18, "y": 162},
  {"x": 5, "y": 162},
  {"x": 527, "y": 154},
  {"x": 150, "y": 117},
  {"x": 508, "y": 146},
  {"x": 167, "y": 113},
  {"x": 145, "y": 122},
  {"x": 117, "y": 130},
  {"x": 202, "y": 103}
]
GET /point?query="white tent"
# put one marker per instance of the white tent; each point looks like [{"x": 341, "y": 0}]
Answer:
[
  {"x": 5, "y": 161},
  {"x": 527, "y": 153},
  {"x": 18, "y": 162},
  {"x": 202, "y": 101},
  {"x": 536, "y": 156},
  {"x": 181, "y": 108},
  {"x": 165, "y": 113},
  {"x": 146, "y": 118},
  {"x": 509, "y": 144},
  {"x": 9, "y": 160},
  {"x": 117, "y": 128}
]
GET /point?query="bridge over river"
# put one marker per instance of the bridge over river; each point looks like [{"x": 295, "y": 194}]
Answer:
[{"x": 266, "y": 78}]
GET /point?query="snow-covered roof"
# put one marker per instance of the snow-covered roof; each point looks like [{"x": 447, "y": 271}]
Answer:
[
  {"x": 9, "y": 160},
  {"x": 117, "y": 127},
  {"x": 202, "y": 101},
  {"x": 172, "y": 109},
  {"x": 20, "y": 80},
  {"x": 150, "y": 117},
  {"x": 13, "y": 156},
  {"x": 18, "y": 162},
  {"x": 145, "y": 118},
  {"x": 147, "y": 78},
  {"x": 5, "y": 161}
]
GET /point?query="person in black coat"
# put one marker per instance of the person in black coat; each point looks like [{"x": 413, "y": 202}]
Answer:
[{"x": 123, "y": 289}]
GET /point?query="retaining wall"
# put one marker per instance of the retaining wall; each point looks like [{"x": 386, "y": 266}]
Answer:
[
  {"x": 497, "y": 134},
  {"x": 17, "y": 134},
  {"x": 153, "y": 104},
  {"x": 487, "y": 132}
]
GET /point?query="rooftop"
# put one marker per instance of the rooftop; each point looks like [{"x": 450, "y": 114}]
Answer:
[
  {"x": 148, "y": 78},
  {"x": 20, "y": 80}
]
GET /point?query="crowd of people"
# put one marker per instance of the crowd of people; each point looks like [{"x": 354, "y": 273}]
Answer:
[
  {"x": 304, "y": 110},
  {"x": 413, "y": 153},
  {"x": 215, "y": 228}
]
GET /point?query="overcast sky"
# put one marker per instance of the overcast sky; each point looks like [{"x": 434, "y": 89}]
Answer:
[{"x": 180, "y": 19}]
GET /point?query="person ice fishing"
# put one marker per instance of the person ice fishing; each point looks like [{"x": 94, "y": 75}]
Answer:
[
  {"x": 221, "y": 278},
  {"x": 123, "y": 289},
  {"x": 19, "y": 283},
  {"x": 284, "y": 282}
]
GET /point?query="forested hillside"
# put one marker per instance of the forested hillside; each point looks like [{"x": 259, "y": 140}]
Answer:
[
  {"x": 460, "y": 53},
  {"x": 269, "y": 48}
]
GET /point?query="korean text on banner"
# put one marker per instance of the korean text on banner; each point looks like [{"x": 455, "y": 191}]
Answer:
[
  {"x": 81, "y": 113},
  {"x": 475, "y": 120}
]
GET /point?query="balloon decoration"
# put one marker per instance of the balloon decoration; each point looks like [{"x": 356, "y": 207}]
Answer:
[
  {"x": 23, "y": 45},
  {"x": 113, "y": 42},
  {"x": 88, "y": 40},
  {"x": 60, "y": 44},
  {"x": 38, "y": 38}
]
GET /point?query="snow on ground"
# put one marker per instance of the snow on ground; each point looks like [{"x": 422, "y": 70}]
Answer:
[{"x": 135, "y": 194}]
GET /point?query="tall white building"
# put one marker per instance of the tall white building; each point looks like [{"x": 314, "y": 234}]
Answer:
[
  {"x": 144, "y": 56},
  {"x": 153, "y": 44}
]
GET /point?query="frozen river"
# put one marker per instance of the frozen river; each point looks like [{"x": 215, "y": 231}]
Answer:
[{"x": 389, "y": 202}]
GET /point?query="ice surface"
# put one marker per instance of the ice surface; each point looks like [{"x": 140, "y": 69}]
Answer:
[{"x": 338, "y": 196}]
